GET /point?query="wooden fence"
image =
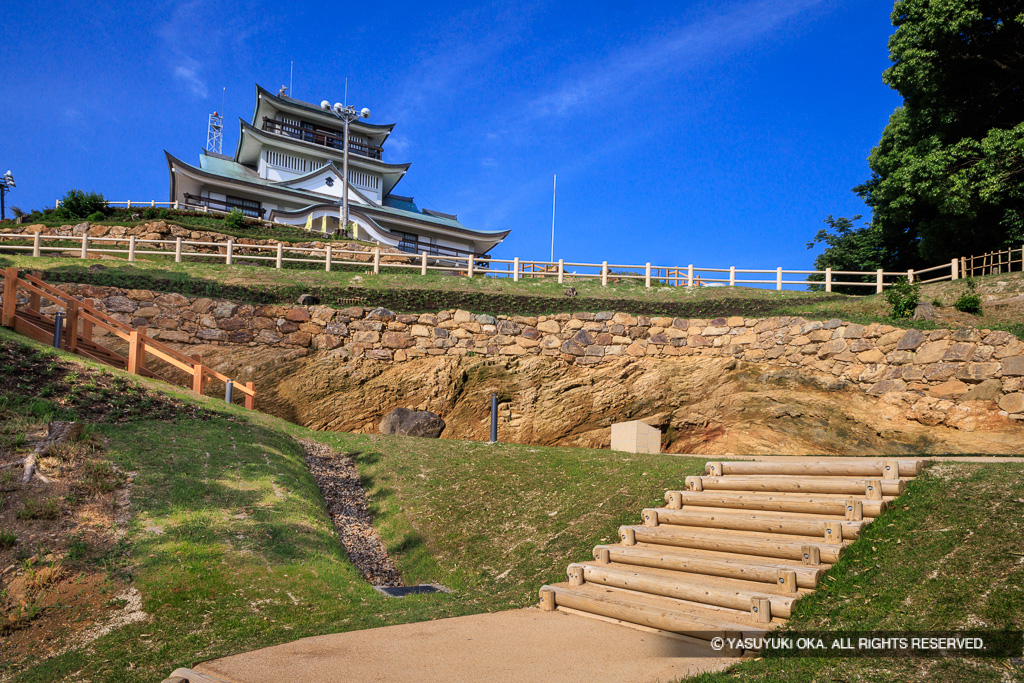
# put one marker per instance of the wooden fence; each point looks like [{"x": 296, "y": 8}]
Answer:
[
  {"x": 469, "y": 265},
  {"x": 992, "y": 263},
  {"x": 76, "y": 334}
]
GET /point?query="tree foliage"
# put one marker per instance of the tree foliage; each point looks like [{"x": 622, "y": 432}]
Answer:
[
  {"x": 78, "y": 204},
  {"x": 848, "y": 248},
  {"x": 948, "y": 172}
]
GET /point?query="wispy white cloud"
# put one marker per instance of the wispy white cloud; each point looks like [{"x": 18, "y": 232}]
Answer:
[
  {"x": 189, "y": 75},
  {"x": 660, "y": 57}
]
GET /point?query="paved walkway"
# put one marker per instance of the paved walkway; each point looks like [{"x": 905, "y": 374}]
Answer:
[
  {"x": 936, "y": 458},
  {"x": 518, "y": 645}
]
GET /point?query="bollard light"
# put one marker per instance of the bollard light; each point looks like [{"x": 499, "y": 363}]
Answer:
[
  {"x": 58, "y": 329},
  {"x": 494, "y": 418},
  {"x": 227, "y": 390}
]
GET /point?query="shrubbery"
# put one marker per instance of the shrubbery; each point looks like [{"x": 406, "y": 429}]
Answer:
[
  {"x": 235, "y": 220},
  {"x": 969, "y": 301},
  {"x": 902, "y": 298},
  {"x": 79, "y": 204}
]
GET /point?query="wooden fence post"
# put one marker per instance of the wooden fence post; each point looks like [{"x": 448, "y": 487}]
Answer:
[
  {"x": 134, "y": 352},
  {"x": 71, "y": 327},
  {"x": 910, "y": 275},
  {"x": 376, "y": 260},
  {"x": 732, "y": 276},
  {"x": 131, "y": 249},
  {"x": 280, "y": 256},
  {"x": 828, "y": 279},
  {"x": 778, "y": 279},
  {"x": 515, "y": 269},
  {"x": 952, "y": 270},
  {"x": 879, "y": 277},
  {"x": 647, "y": 275},
  {"x": 85, "y": 245},
  {"x": 37, "y": 243},
  {"x": 229, "y": 255},
  {"x": 327, "y": 259},
  {"x": 469, "y": 266},
  {"x": 604, "y": 274},
  {"x": 689, "y": 275},
  {"x": 10, "y": 296},
  {"x": 177, "y": 250},
  {"x": 423, "y": 263},
  {"x": 250, "y": 399},
  {"x": 197, "y": 375},
  {"x": 561, "y": 271},
  {"x": 34, "y": 300}
]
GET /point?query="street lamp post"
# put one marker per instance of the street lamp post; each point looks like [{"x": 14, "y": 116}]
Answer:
[
  {"x": 6, "y": 183},
  {"x": 347, "y": 114}
]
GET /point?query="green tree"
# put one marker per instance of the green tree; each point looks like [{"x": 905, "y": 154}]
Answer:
[
  {"x": 948, "y": 173},
  {"x": 79, "y": 204},
  {"x": 848, "y": 248}
]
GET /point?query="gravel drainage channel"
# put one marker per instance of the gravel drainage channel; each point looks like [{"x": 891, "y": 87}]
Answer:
[{"x": 339, "y": 484}]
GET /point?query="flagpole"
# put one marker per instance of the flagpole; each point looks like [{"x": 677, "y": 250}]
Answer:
[{"x": 554, "y": 189}]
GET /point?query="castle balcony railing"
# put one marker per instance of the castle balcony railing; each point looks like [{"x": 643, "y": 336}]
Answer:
[
  {"x": 319, "y": 136},
  {"x": 417, "y": 247}
]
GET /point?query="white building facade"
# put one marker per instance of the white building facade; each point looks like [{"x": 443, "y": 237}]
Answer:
[{"x": 288, "y": 169}]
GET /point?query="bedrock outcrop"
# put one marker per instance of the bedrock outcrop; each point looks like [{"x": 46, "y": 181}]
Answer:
[{"x": 703, "y": 405}]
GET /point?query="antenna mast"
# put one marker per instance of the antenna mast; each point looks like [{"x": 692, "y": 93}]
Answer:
[
  {"x": 554, "y": 188},
  {"x": 215, "y": 133}
]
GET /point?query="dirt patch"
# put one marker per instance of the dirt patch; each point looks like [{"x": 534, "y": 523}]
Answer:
[
  {"x": 343, "y": 494},
  {"x": 41, "y": 382}
]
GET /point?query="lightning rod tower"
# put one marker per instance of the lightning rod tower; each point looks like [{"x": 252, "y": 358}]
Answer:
[{"x": 215, "y": 133}]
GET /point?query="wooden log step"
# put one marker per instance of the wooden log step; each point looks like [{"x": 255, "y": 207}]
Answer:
[
  {"x": 664, "y": 614},
  {"x": 763, "y": 545},
  {"x": 837, "y": 485},
  {"x": 730, "y": 566},
  {"x": 752, "y": 521},
  {"x": 682, "y": 589},
  {"x": 775, "y": 502},
  {"x": 828, "y": 467}
]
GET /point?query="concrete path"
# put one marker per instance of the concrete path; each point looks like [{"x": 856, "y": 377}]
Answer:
[
  {"x": 935, "y": 458},
  {"x": 518, "y": 645}
]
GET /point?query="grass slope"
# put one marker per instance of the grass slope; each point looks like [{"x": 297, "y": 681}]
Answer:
[{"x": 231, "y": 549}]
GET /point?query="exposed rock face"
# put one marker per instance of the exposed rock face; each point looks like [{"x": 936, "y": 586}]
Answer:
[
  {"x": 714, "y": 406},
  {"x": 405, "y": 422}
]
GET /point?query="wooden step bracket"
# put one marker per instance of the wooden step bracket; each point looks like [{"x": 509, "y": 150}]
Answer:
[
  {"x": 714, "y": 469},
  {"x": 694, "y": 483},
  {"x": 833, "y": 532},
  {"x": 873, "y": 490},
  {"x": 854, "y": 510},
  {"x": 576, "y": 575},
  {"x": 761, "y": 610},
  {"x": 650, "y": 517},
  {"x": 547, "y": 599},
  {"x": 786, "y": 581},
  {"x": 602, "y": 555},
  {"x": 628, "y": 535},
  {"x": 674, "y": 500},
  {"x": 811, "y": 555},
  {"x": 891, "y": 470}
]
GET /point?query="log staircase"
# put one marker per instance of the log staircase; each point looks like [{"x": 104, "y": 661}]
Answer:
[
  {"x": 22, "y": 311},
  {"x": 730, "y": 555}
]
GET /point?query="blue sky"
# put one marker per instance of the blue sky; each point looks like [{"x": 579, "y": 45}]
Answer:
[{"x": 713, "y": 133}]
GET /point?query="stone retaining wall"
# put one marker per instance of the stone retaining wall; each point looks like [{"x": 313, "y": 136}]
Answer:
[{"x": 941, "y": 366}]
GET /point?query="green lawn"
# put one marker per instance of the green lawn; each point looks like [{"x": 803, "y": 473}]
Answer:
[{"x": 231, "y": 549}]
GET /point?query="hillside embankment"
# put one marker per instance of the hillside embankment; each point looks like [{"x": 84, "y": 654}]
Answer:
[{"x": 713, "y": 386}]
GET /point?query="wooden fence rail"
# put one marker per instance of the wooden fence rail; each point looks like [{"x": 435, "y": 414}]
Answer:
[
  {"x": 469, "y": 265},
  {"x": 993, "y": 263},
  {"x": 80, "y": 319}
]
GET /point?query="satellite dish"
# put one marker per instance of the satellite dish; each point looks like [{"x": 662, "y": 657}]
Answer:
[
  {"x": 365, "y": 113},
  {"x": 324, "y": 104},
  {"x": 338, "y": 106}
]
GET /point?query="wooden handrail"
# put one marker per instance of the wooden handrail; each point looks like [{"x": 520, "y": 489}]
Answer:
[{"x": 139, "y": 343}]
